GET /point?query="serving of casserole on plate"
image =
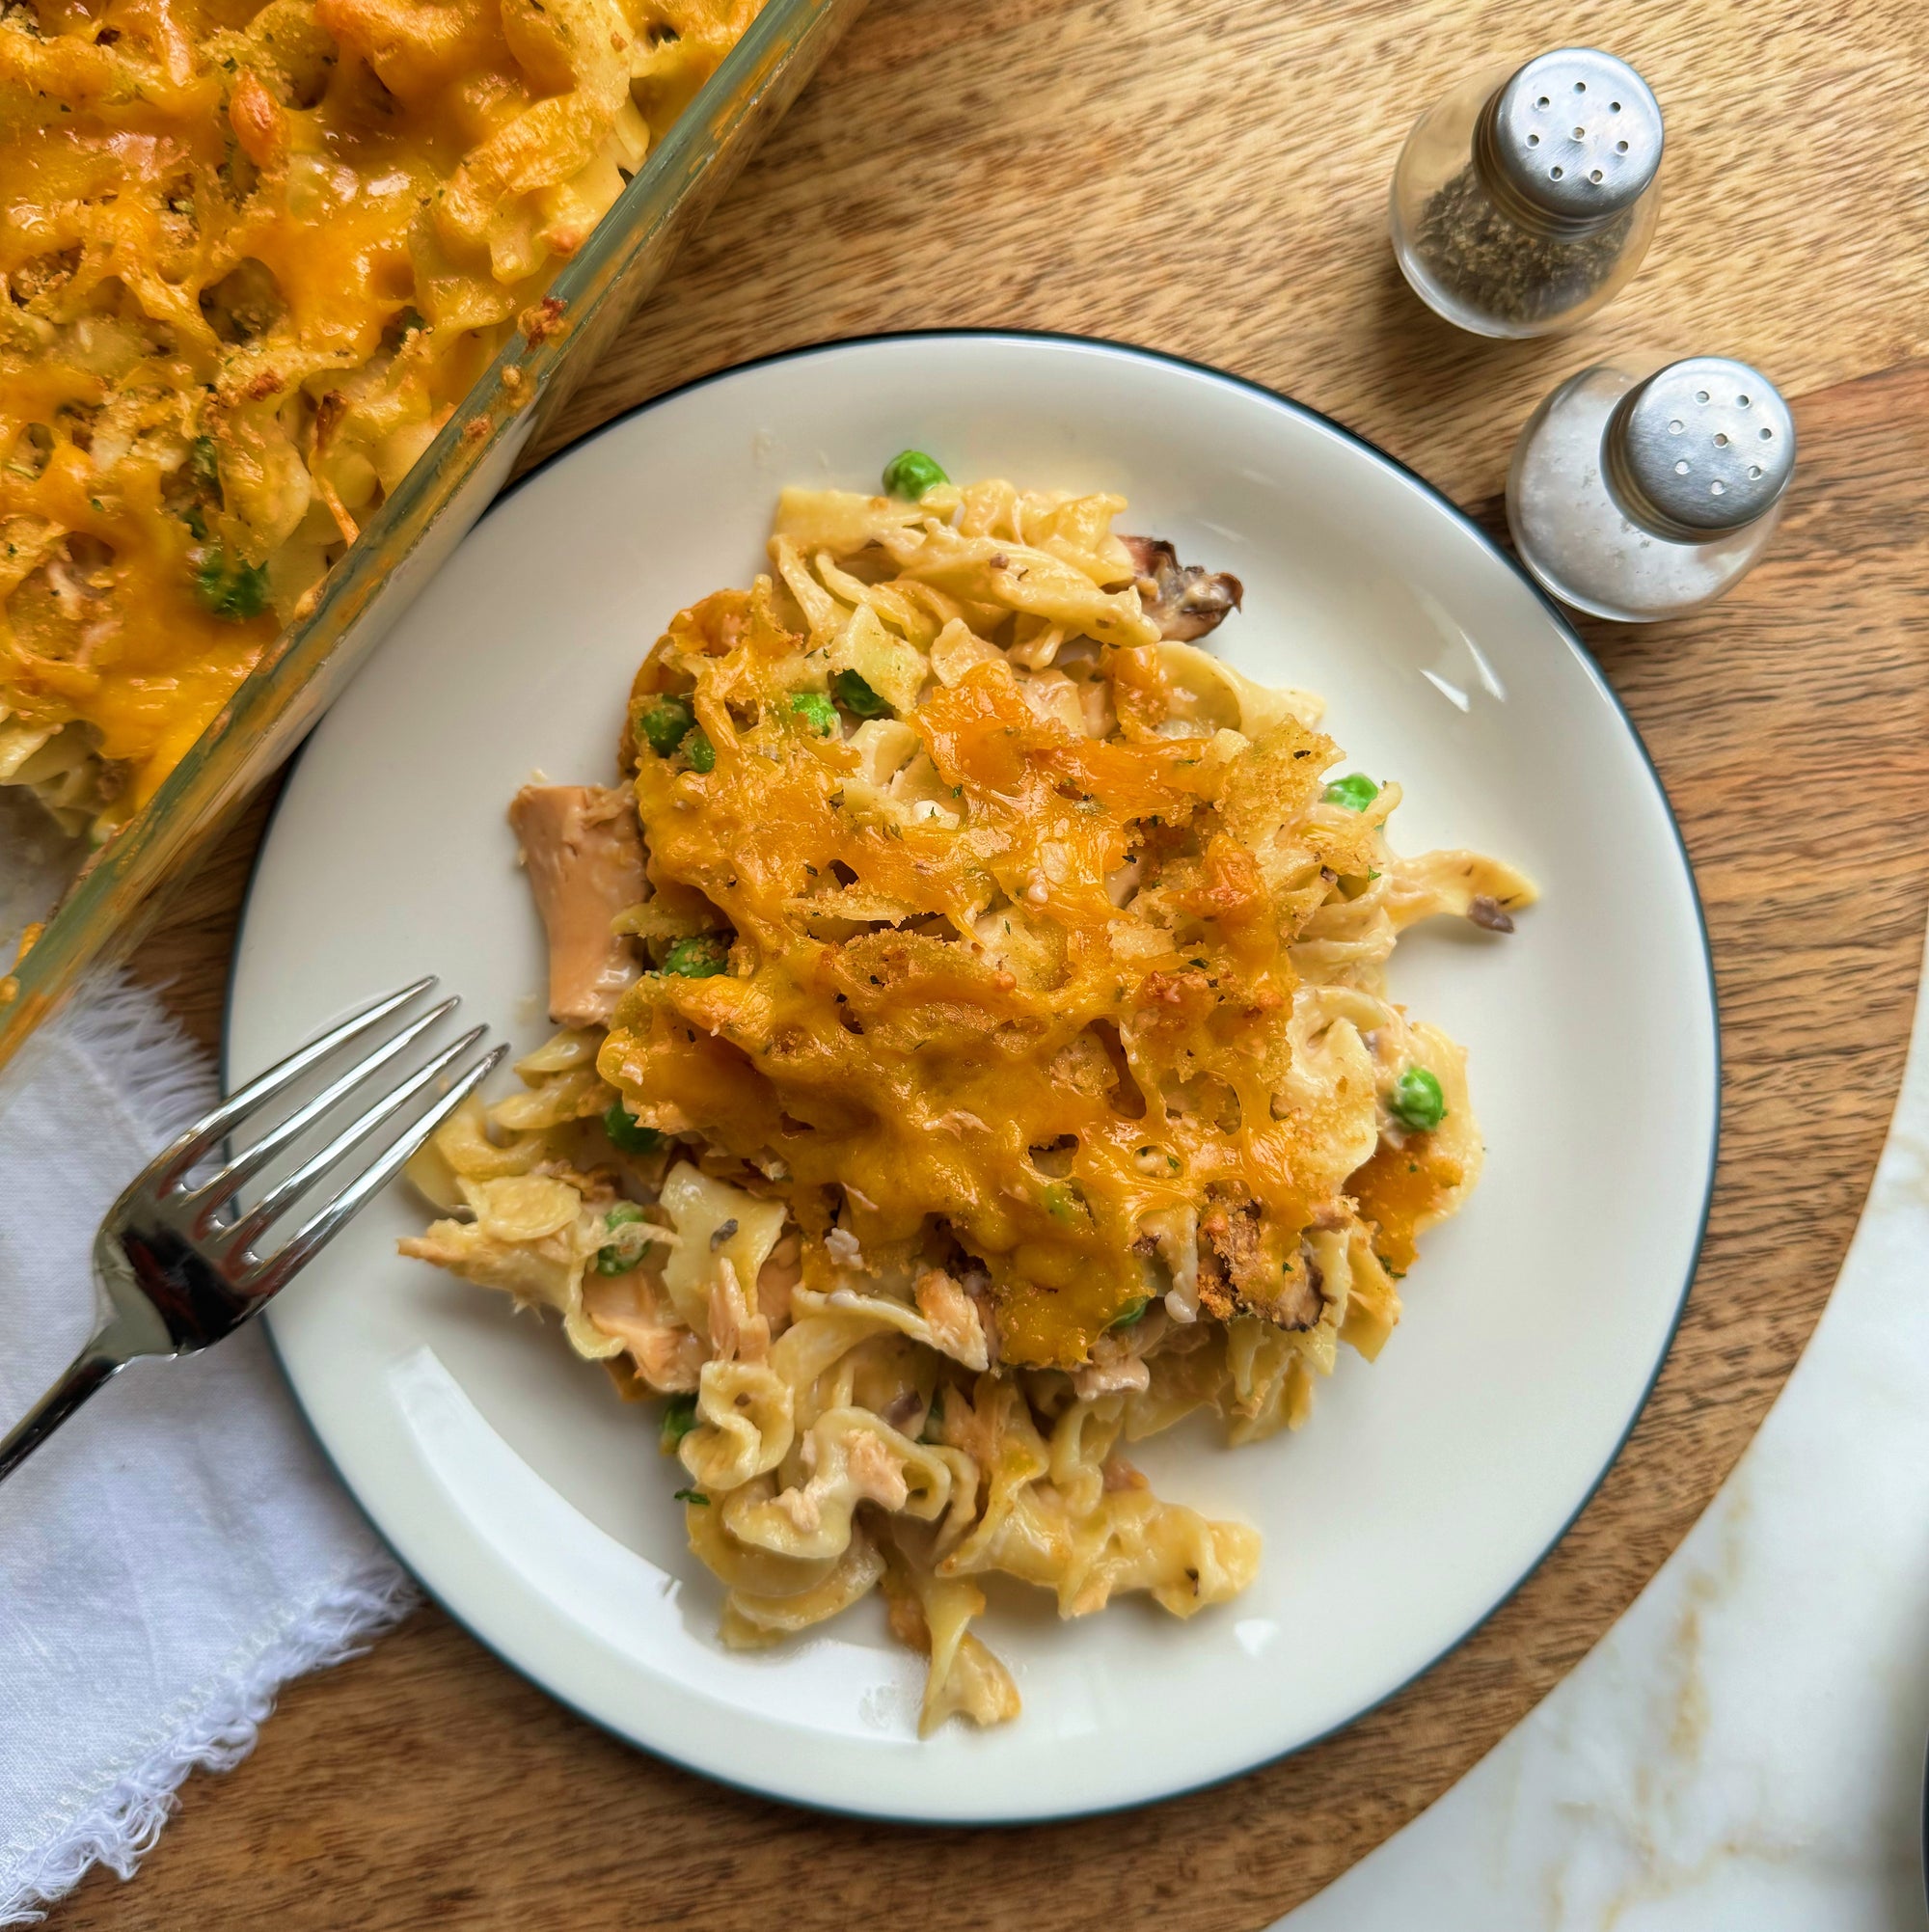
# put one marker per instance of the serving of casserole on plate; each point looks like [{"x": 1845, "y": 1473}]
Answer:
[
  {"x": 977, "y": 1057},
  {"x": 1139, "y": 1174}
]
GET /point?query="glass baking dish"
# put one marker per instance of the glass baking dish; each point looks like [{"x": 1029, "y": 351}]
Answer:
[{"x": 93, "y": 915}]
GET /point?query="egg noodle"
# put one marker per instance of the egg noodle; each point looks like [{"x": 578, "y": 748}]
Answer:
[
  {"x": 981, "y": 1058},
  {"x": 252, "y": 258}
]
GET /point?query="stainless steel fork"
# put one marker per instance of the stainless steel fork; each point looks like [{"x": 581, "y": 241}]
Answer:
[{"x": 173, "y": 1276}]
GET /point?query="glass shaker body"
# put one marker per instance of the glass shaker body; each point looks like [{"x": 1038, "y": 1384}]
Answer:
[
  {"x": 1477, "y": 252},
  {"x": 1575, "y": 530}
]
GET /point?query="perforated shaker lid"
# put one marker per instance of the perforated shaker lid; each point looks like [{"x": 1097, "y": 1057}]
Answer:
[
  {"x": 1577, "y": 134},
  {"x": 1708, "y": 442}
]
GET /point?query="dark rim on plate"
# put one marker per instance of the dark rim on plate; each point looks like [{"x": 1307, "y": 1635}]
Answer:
[{"x": 1565, "y": 628}]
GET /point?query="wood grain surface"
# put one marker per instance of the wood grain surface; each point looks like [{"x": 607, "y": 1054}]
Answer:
[{"x": 1208, "y": 176}]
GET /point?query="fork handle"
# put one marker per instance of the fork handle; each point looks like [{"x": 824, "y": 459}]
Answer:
[{"x": 95, "y": 1365}]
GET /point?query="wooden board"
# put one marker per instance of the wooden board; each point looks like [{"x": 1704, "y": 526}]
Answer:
[{"x": 1208, "y": 176}]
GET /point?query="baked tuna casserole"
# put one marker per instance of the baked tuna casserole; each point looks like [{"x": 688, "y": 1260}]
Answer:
[
  {"x": 252, "y": 260},
  {"x": 977, "y": 1055}
]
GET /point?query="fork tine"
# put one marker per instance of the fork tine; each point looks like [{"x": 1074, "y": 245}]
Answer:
[
  {"x": 242, "y": 1233},
  {"x": 207, "y": 1198},
  {"x": 169, "y": 1167},
  {"x": 272, "y": 1273}
]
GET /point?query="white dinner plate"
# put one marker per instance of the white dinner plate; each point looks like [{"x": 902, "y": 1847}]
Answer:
[{"x": 535, "y": 1505}]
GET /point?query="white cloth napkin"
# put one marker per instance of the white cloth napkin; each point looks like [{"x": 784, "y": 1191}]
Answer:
[{"x": 179, "y": 1549}]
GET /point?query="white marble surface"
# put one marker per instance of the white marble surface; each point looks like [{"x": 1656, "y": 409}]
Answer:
[{"x": 1745, "y": 1749}]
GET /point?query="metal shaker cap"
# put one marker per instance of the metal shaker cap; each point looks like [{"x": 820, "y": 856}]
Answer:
[
  {"x": 1708, "y": 443},
  {"x": 1577, "y": 134}
]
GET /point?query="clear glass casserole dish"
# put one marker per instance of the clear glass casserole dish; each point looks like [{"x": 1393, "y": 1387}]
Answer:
[{"x": 94, "y": 912}]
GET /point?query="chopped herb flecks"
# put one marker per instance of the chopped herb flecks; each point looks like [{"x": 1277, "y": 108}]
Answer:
[
  {"x": 229, "y": 587},
  {"x": 203, "y": 464},
  {"x": 679, "y": 1419}
]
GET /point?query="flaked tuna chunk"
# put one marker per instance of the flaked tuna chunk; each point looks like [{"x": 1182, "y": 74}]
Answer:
[
  {"x": 1184, "y": 600},
  {"x": 585, "y": 864}
]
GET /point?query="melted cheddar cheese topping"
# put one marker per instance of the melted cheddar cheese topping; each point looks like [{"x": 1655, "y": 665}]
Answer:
[
  {"x": 252, "y": 258},
  {"x": 1013, "y": 973}
]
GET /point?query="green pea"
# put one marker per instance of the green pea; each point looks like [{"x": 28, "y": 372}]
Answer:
[
  {"x": 1356, "y": 791},
  {"x": 1417, "y": 1101},
  {"x": 229, "y": 587},
  {"x": 203, "y": 464},
  {"x": 1134, "y": 1314},
  {"x": 911, "y": 473},
  {"x": 679, "y": 1419},
  {"x": 627, "y": 1135},
  {"x": 816, "y": 710},
  {"x": 666, "y": 723},
  {"x": 856, "y": 696},
  {"x": 620, "y": 1257},
  {"x": 702, "y": 957},
  {"x": 698, "y": 749},
  {"x": 1063, "y": 1202}
]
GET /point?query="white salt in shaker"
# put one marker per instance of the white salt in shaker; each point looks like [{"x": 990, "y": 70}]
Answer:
[{"x": 1638, "y": 496}]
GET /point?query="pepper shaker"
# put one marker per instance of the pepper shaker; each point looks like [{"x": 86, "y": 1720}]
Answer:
[
  {"x": 1638, "y": 496},
  {"x": 1524, "y": 202}
]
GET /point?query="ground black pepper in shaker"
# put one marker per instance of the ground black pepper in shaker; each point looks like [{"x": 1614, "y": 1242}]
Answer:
[{"x": 1524, "y": 202}]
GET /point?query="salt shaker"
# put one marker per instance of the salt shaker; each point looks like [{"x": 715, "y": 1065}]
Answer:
[
  {"x": 1524, "y": 202},
  {"x": 1638, "y": 496}
]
